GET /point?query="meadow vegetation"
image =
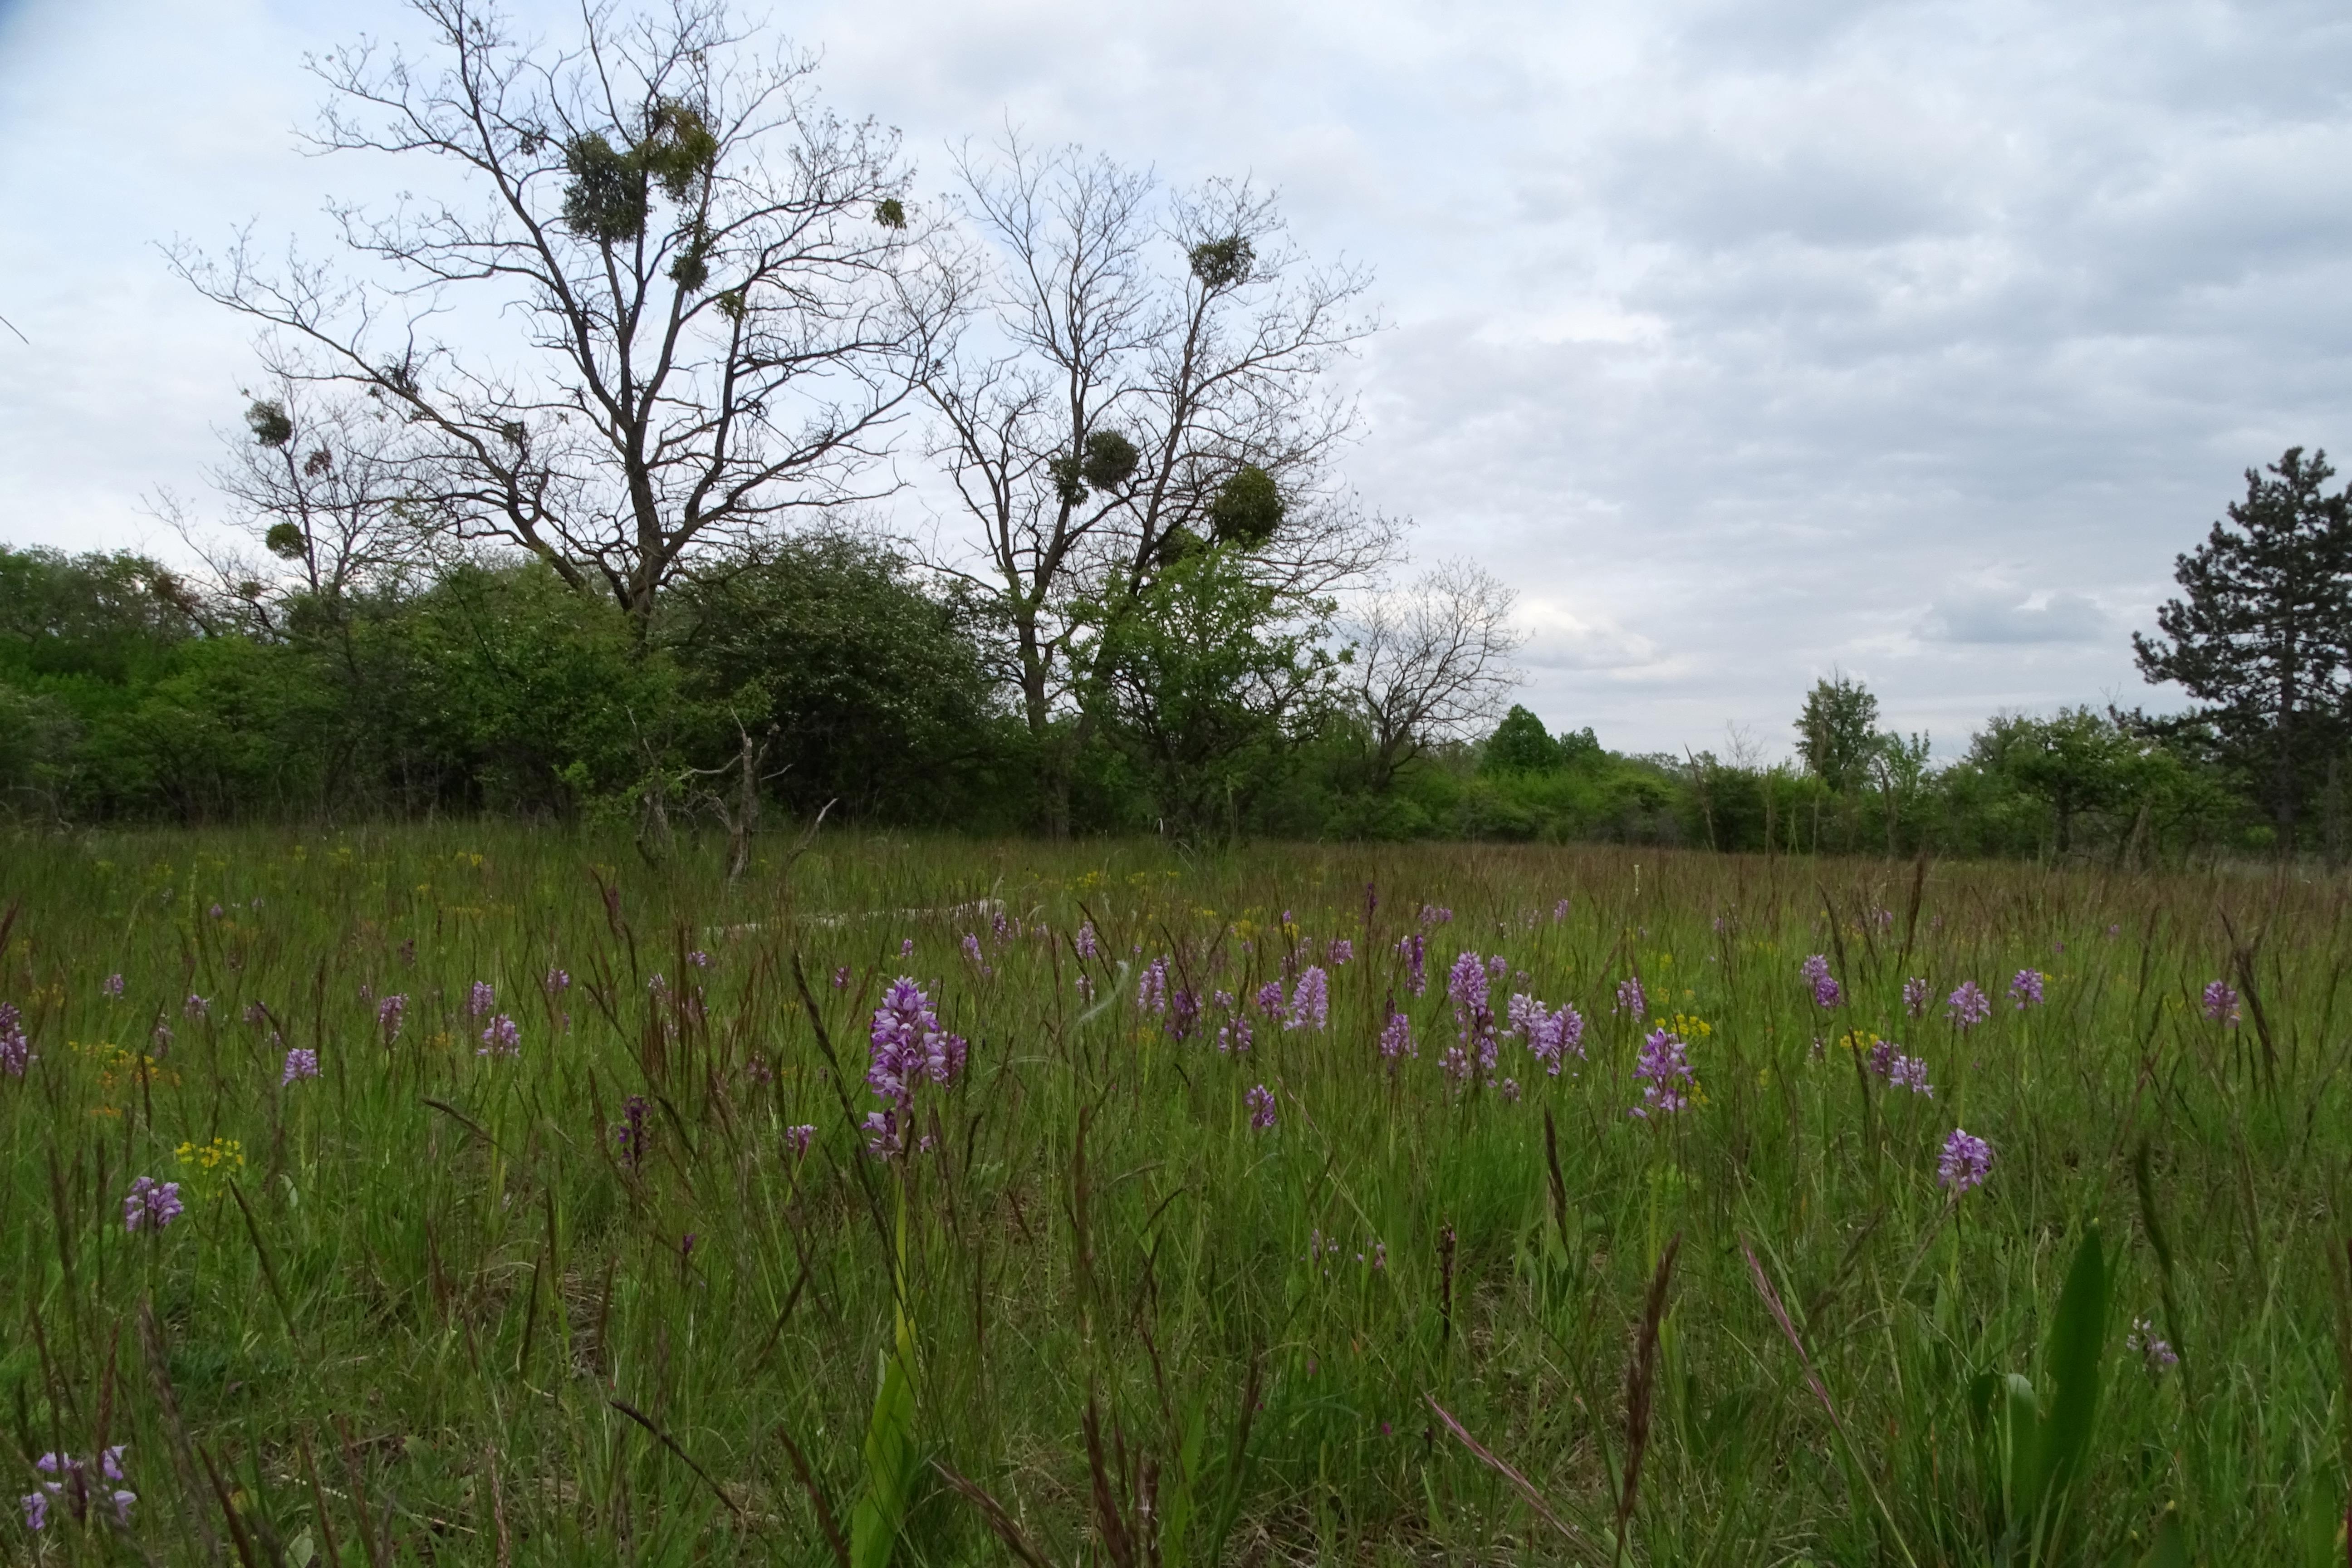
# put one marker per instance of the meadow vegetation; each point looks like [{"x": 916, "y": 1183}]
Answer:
[
  {"x": 508, "y": 1199},
  {"x": 443, "y": 1119}
]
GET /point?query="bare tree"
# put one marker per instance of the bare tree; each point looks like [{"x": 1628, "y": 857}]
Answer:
[
  {"x": 1146, "y": 374},
  {"x": 1430, "y": 662},
  {"x": 723, "y": 299},
  {"x": 329, "y": 489}
]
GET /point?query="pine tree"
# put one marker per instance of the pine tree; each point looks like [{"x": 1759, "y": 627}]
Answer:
[{"x": 2264, "y": 636}]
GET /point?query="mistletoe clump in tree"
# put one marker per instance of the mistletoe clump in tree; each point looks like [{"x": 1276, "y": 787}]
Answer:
[
  {"x": 694, "y": 301},
  {"x": 1140, "y": 425}
]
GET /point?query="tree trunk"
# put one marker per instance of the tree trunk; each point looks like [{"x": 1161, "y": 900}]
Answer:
[
  {"x": 1055, "y": 785},
  {"x": 653, "y": 836},
  {"x": 2284, "y": 782},
  {"x": 653, "y": 822},
  {"x": 2128, "y": 855},
  {"x": 2282, "y": 809},
  {"x": 1051, "y": 759},
  {"x": 2332, "y": 808},
  {"x": 745, "y": 820}
]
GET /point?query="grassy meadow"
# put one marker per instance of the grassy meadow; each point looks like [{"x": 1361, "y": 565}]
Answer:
[{"x": 600, "y": 1264}]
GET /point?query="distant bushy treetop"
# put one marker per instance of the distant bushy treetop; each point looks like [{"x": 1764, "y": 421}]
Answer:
[
  {"x": 1521, "y": 744},
  {"x": 1837, "y": 733}
]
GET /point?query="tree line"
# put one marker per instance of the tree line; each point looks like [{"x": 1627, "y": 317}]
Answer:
[
  {"x": 822, "y": 671},
  {"x": 828, "y": 672},
  {"x": 2259, "y": 639},
  {"x": 662, "y": 456}
]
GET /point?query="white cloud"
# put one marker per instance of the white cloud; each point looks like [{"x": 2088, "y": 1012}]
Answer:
[
  {"x": 1561, "y": 639},
  {"x": 1993, "y": 615}
]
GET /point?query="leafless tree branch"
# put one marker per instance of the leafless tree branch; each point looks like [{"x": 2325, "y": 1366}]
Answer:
[
  {"x": 1133, "y": 353},
  {"x": 1430, "y": 662},
  {"x": 723, "y": 300}
]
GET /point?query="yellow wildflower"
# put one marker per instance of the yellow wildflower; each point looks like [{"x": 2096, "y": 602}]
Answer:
[{"x": 209, "y": 1165}]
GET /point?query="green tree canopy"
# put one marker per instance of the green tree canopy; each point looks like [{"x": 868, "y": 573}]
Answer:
[
  {"x": 1215, "y": 679},
  {"x": 2078, "y": 759},
  {"x": 2263, "y": 633},
  {"x": 1520, "y": 745},
  {"x": 1837, "y": 734},
  {"x": 873, "y": 688}
]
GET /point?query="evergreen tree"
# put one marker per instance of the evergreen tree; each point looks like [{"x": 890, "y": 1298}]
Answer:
[{"x": 2264, "y": 636}]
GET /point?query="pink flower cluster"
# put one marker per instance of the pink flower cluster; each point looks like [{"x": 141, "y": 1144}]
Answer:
[
  {"x": 1826, "y": 991},
  {"x": 75, "y": 1490},
  {"x": 1664, "y": 1073},
  {"x": 1551, "y": 1037},
  {"x": 908, "y": 1047}
]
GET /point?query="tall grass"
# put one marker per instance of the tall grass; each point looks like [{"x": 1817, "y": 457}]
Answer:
[{"x": 435, "y": 1306}]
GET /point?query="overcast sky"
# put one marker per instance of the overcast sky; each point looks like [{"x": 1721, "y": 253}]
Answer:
[{"x": 1747, "y": 341}]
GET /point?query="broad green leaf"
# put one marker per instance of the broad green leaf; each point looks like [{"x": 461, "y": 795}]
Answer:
[{"x": 2077, "y": 1345}]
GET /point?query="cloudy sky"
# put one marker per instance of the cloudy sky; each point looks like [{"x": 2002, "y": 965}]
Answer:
[{"x": 1747, "y": 341}]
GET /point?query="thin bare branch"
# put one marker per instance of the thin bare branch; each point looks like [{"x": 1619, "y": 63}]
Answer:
[{"x": 722, "y": 304}]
